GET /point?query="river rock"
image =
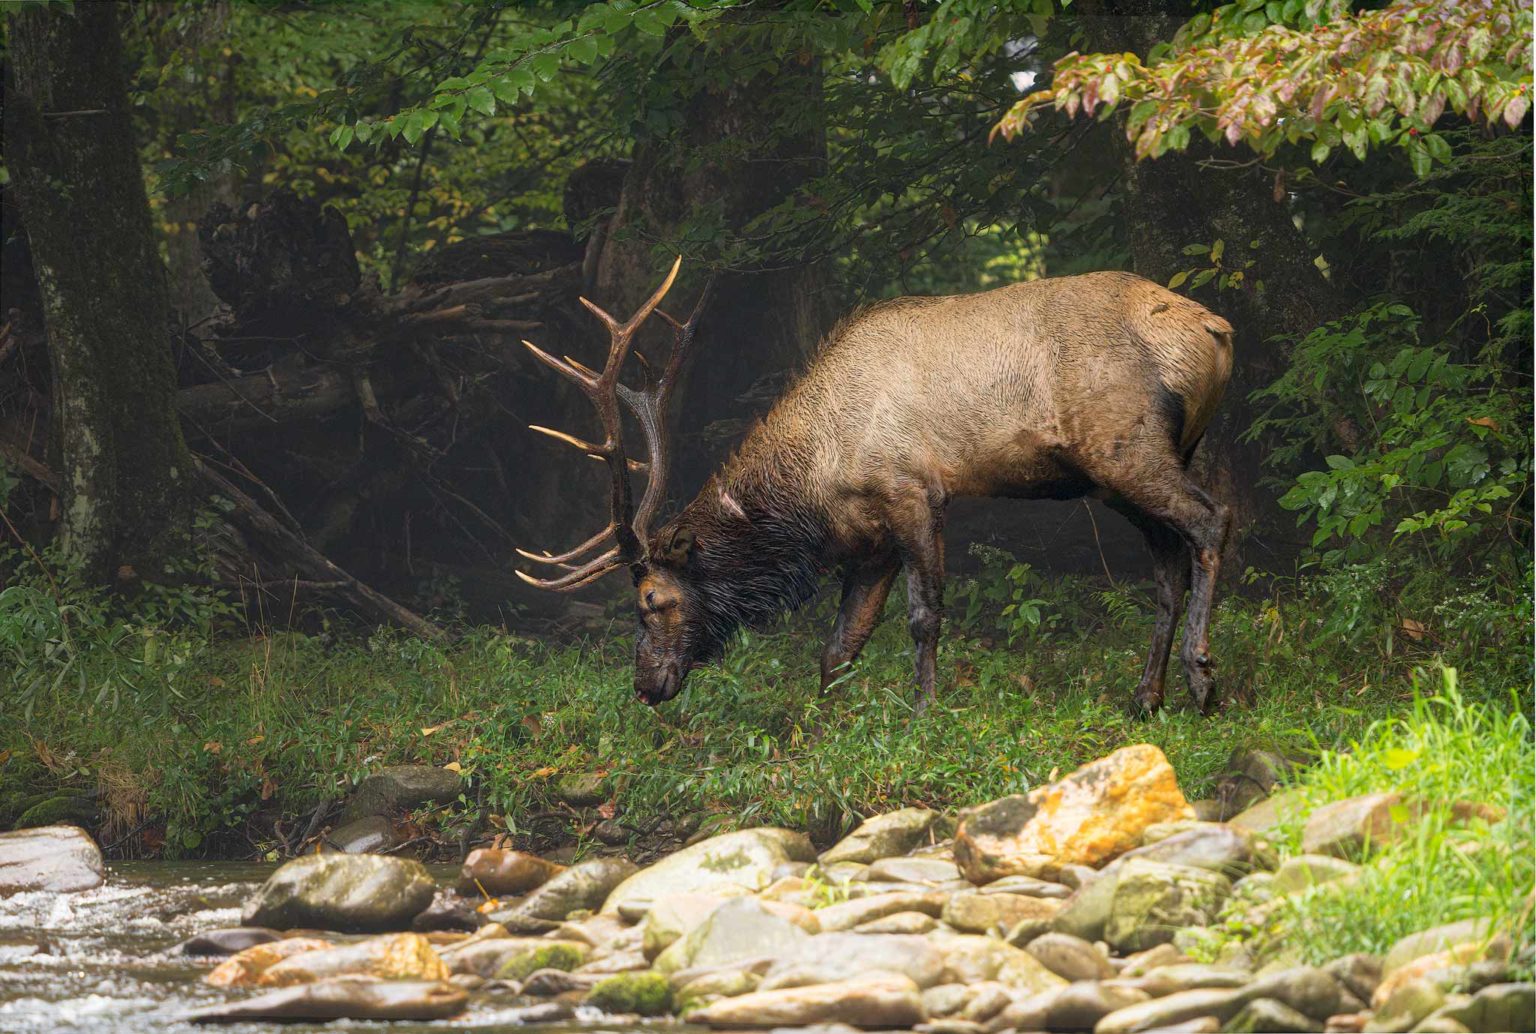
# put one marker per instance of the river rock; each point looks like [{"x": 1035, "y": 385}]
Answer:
[
  {"x": 372, "y": 834},
  {"x": 1084, "y": 1003},
  {"x": 1444, "y": 968},
  {"x": 1190, "y": 976},
  {"x": 1029, "y": 887},
  {"x": 582, "y": 789},
  {"x": 228, "y": 941},
  {"x": 1090, "y": 817},
  {"x": 882, "y": 836},
  {"x": 1343, "y": 829},
  {"x": 835, "y": 957},
  {"x": 400, "y": 788},
  {"x": 912, "y": 870},
  {"x": 672, "y": 916},
  {"x": 346, "y": 998},
  {"x": 1437, "y": 939},
  {"x": 739, "y": 929},
  {"x": 49, "y": 858},
  {"x": 1269, "y": 813},
  {"x": 542, "y": 955},
  {"x": 245, "y": 967},
  {"x": 398, "y": 956},
  {"x": 1408, "y": 1002},
  {"x": 970, "y": 959},
  {"x": 496, "y": 871},
  {"x": 1267, "y": 1014},
  {"x": 1165, "y": 1012},
  {"x": 485, "y": 956},
  {"x": 1070, "y": 958},
  {"x": 714, "y": 984},
  {"x": 886, "y": 1002},
  {"x": 899, "y": 922},
  {"x": 1216, "y": 846},
  {"x": 586, "y": 885},
  {"x": 1305, "y": 871},
  {"x": 1152, "y": 900},
  {"x": 848, "y": 914},
  {"x": 639, "y": 994},
  {"x": 1497, "y": 1007},
  {"x": 745, "y": 858},
  {"x": 351, "y": 893},
  {"x": 448, "y": 912},
  {"x": 1359, "y": 974},
  {"x": 1250, "y": 776},
  {"x": 975, "y": 912}
]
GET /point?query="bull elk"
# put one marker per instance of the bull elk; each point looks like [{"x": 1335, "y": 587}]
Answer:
[{"x": 1099, "y": 384}]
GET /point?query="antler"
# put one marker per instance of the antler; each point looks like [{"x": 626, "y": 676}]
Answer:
[{"x": 627, "y": 529}]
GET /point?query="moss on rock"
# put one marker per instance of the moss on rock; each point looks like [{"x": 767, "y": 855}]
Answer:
[
  {"x": 560, "y": 955},
  {"x": 645, "y": 993}
]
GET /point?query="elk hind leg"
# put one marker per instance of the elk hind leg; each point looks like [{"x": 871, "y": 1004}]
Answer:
[
  {"x": 865, "y": 588},
  {"x": 923, "y": 555},
  {"x": 1171, "y": 574}
]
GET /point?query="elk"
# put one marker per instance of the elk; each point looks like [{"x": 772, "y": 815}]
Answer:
[{"x": 1097, "y": 385}]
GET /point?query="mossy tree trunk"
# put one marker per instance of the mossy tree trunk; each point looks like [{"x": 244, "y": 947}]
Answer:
[{"x": 128, "y": 481}]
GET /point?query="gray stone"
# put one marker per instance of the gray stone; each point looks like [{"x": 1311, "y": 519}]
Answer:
[
  {"x": 371, "y": 834},
  {"x": 1165, "y": 1012},
  {"x": 1269, "y": 1015},
  {"x": 351, "y": 893},
  {"x": 401, "y": 788},
  {"x": 344, "y": 998},
  {"x": 1411, "y": 1002},
  {"x": 1029, "y": 887},
  {"x": 1085, "y": 912},
  {"x": 228, "y": 941},
  {"x": 746, "y": 858},
  {"x": 975, "y": 912},
  {"x": 1082, "y": 1004},
  {"x": 883, "y": 836},
  {"x": 582, "y": 789},
  {"x": 1071, "y": 958},
  {"x": 848, "y": 914},
  {"x": 899, "y": 922},
  {"x": 1436, "y": 939},
  {"x": 1305, "y": 871},
  {"x": 1153, "y": 900},
  {"x": 1141, "y": 963},
  {"x": 1498, "y": 1007},
  {"x": 945, "y": 999},
  {"x": 1025, "y": 932},
  {"x": 448, "y": 911},
  {"x": 51, "y": 858},
  {"x": 739, "y": 929},
  {"x": 586, "y": 885},
  {"x": 1205, "y": 845},
  {"x": 834, "y": 957},
  {"x": 985, "y": 1001},
  {"x": 884, "y": 1003},
  {"x": 670, "y": 918},
  {"x": 1269, "y": 813},
  {"x": 1250, "y": 776},
  {"x": 1359, "y": 974},
  {"x": 1190, "y": 976},
  {"x": 913, "y": 870},
  {"x": 1343, "y": 829}
]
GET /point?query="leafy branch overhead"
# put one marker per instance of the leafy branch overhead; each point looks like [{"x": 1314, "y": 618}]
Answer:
[{"x": 1306, "y": 71}]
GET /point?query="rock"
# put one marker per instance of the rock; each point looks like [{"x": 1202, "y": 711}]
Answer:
[
  {"x": 371, "y": 834},
  {"x": 1029, "y": 887},
  {"x": 1216, "y": 846},
  {"x": 985, "y": 1001},
  {"x": 848, "y": 914},
  {"x": 1071, "y": 958},
  {"x": 586, "y": 885},
  {"x": 1409, "y": 1002},
  {"x": 1022, "y": 934},
  {"x": 60, "y": 810},
  {"x": 975, "y": 912},
  {"x": 448, "y": 911},
  {"x": 972, "y": 960},
  {"x": 582, "y": 789},
  {"x": 835, "y": 957},
  {"x": 399, "y": 956},
  {"x": 611, "y": 833},
  {"x": 1208, "y": 809},
  {"x": 1269, "y": 813},
  {"x": 1082, "y": 1004},
  {"x": 1250, "y": 776},
  {"x": 1310, "y": 870},
  {"x": 1434, "y": 940},
  {"x": 245, "y": 967},
  {"x": 606, "y": 961},
  {"x": 714, "y": 984},
  {"x": 1090, "y": 817},
  {"x": 49, "y": 858},
  {"x": 1359, "y": 974},
  {"x": 1190, "y": 976},
  {"x": 882, "y": 836},
  {"x": 1266, "y": 1014},
  {"x": 912, "y": 870},
  {"x": 1152, "y": 900},
  {"x": 742, "y": 928},
  {"x": 643, "y": 994},
  {"x": 495, "y": 872},
  {"x": 1306, "y": 989},
  {"x": 546, "y": 983},
  {"x": 228, "y": 941},
  {"x": 945, "y": 999},
  {"x": 1343, "y": 829},
  {"x": 899, "y": 922},
  {"x": 401, "y": 788},
  {"x": 1085, "y": 912},
  {"x": 745, "y": 858},
  {"x": 1143, "y": 962},
  {"x": 563, "y": 955},
  {"x": 1443, "y": 967},
  {"x": 344, "y": 999},
  {"x": 486, "y": 956},
  {"x": 1174, "y": 1009},
  {"x": 887, "y": 1002},
  {"x": 351, "y": 893},
  {"x": 672, "y": 916},
  {"x": 1498, "y": 1007}
]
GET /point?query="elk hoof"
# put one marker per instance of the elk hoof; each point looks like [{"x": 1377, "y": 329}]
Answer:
[{"x": 1145, "y": 702}]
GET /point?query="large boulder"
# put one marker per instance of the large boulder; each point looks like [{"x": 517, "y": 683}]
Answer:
[
  {"x": 745, "y": 858},
  {"x": 1153, "y": 900},
  {"x": 351, "y": 998},
  {"x": 497, "y": 871},
  {"x": 739, "y": 929},
  {"x": 1092, "y": 816},
  {"x": 400, "y": 788},
  {"x": 883, "y": 836},
  {"x": 245, "y": 967},
  {"x": 351, "y": 893},
  {"x": 834, "y": 957},
  {"x": 884, "y": 1003},
  {"x": 51, "y": 858},
  {"x": 583, "y": 886}
]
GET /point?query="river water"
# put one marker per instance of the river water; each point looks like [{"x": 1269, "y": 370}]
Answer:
[{"x": 104, "y": 960}]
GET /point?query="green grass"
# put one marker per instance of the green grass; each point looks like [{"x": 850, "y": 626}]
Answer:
[{"x": 200, "y": 741}]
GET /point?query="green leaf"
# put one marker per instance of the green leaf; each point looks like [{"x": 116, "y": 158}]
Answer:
[
  {"x": 1178, "y": 278},
  {"x": 1398, "y": 758},
  {"x": 482, "y": 100}
]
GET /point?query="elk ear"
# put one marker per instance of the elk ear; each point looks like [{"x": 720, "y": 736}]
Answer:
[{"x": 677, "y": 550}]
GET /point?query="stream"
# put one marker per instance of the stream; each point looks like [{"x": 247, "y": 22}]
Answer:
[{"x": 104, "y": 960}]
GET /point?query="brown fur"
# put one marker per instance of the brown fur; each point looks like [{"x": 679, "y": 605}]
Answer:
[{"x": 1096, "y": 384}]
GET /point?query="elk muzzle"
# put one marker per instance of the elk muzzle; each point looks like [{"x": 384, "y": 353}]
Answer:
[{"x": 658, "y": 683}]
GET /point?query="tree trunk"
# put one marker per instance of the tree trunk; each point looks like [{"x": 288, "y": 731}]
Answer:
[
  {"x": 740, "y": 150},
  {"x": 127, "y": 474}
]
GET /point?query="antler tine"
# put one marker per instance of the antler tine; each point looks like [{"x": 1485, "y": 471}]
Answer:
[
  {"x": 570, "y": 554},
  {"x": 585, "y": 378},
  {"x": 576, "y": 578}
]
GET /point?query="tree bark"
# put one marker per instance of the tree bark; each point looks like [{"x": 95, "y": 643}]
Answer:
[{"x": 127, "y": 474}]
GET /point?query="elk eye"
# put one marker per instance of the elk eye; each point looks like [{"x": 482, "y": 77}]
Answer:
[{"x": 650, "y": 599}]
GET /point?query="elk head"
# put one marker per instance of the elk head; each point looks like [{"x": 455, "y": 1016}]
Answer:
[{"x": 673, "y": 636}]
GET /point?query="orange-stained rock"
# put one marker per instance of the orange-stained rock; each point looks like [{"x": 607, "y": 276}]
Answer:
[
  {"x": 1092, "y": 816},
  {"x": 395, "y": 956},
  {"x": 496, "y": 872},
  {"x": 244, "y": 968}
]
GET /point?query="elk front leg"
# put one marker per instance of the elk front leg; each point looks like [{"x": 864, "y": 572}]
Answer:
[
  {"x": 924, "y": 557},
  {"x": 865, "y": 589},
  {"x": 1170, "y": 571}
]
